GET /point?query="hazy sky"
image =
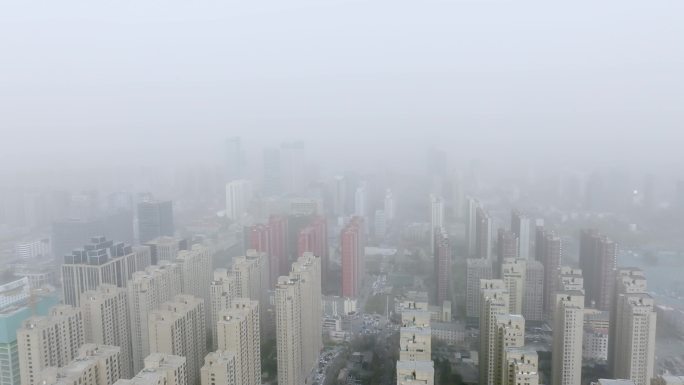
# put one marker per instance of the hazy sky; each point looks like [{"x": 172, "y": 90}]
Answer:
[{"x": 101, "y": 82}]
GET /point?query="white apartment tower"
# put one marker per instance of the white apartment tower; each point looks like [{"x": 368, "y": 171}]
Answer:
[
  {"x": 47, "y": 341},
  {"x": 513, "y": 274},
  {"x": 179, "y": 328},
  {"x": 521, "y": 366},
  {"x": 477, "y": 269},
  {"x": 568, "y": 329},
  {"x": 220, "y": 368},
  {"x": 238, "y": 198},
  {"x": 510, "y": 334},
  {"x": 238, "y": 332},
  {"x": 494, "y": 302},
  {"x": 107, "y": 322},
  {"x": 221, "y": 292},
  {"x": 94, "y": 365},
  {"x": 196, "y": 268},
  {"x": 147, "y": 291},
  {"x": 436, "y": 219}
]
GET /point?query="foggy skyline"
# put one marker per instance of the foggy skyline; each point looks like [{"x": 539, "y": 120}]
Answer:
[{"x": 166, "y": 82}]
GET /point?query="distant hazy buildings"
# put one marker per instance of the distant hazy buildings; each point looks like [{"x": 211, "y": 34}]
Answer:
[
  {"x": 477, "y": 269},
  {"x": 520, "y": 226},
  {"x": 550, "y": 254},
  {"x": 598, "y": 261},
  {"x": 235, "y": 160},
  {"x": 436, "y": 219},
  {"x": 155, "y": 219},
  {"x": 483, "y": 234},
  {"x": 352, "y": 244},
  {"x": 442, "y": 266},
  {"x": 72, "y": 233},
  {"x": 506, "y": 248},
  {"x": 533, "y": 302},
  {"x": 238, "y": 197}
]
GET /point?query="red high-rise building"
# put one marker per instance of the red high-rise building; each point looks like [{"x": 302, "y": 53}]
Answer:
[
  {"x": 352, "y": 245},
  {"x": 314, "y": 239},
  {"x": 259, "y": 238},
  {"x": 442, "y": 266},
  {"x": 280, "y": 260}
]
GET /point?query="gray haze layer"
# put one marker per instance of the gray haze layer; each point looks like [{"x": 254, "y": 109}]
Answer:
[{"x": 99, "y": 82}]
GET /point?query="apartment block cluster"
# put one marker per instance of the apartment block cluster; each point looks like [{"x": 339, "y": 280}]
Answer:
[{"x": 128, "y": 321}]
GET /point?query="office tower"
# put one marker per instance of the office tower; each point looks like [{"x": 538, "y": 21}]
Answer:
[
  {"x": 533, "y": 302},
  {"x": 292, "y": 162},
  {"x": 477, "y": 269},
  {"x": 483, "y": 234},
  {"x": 298, "y": 325},
  {"x": 352, "y": 243},
  {"x": 100, "y": 262},
  {"x": 506, "y": 248},
  {"x": 442, "y": 266},
  {"x": 165, "y": 248},
  {"x": 510, "y": 334},
  {"x": 221, "y": 292},
  {"x": 627, "y": 281},
  {"x": 11, "y": 319},
  {"x": 595, "y": 340},
  {"x": 361, "y": 201},
  {"x": 155, "y": 219},
  {"x": 196, "y": 269},
  {"x": 106, "y": 321},
  {"x": 220, "y": 367},
  {"x": 389, "y": 206},
  {"x": 73, "y": 233},
  {"x": 314, "y": 239},
  {"x": 598, "y": 261},
  {"x": 471, "y": 226},
  {"x": 520, "y": 226},
  {"x": 238, "y": 197},
  {"x": 379, "y": 225},
  {"x": 436, "y": 219},
  {"x": 494, "y": 302},
  {"x": 415, "y": 373},
  {"x": 520, "y": 366},
  {"x": 52, "y": 340},
  {"x": 513, "y": 273},
  {"x": 272, "y": 183},
  {"x": 551, "y": 256},
  {"x": 570, "y": 279},
  {"x": 238, "y": 332},
  {"x": 568, "y": 326},
  {"x": 147, "y": 290},
  {"x": 235, "y": 161},
  {"x": 94, "y": 365},
  {"x": 634, "y": 344},
  {"x": 179, "y": 328}
]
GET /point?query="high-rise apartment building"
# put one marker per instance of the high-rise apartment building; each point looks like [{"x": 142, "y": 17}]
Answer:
[
  {"x": 147, "y": 291},
  {"x": 627, "y": 281},
  {"x": 48, "y": 341},
  {"x": 442, "y": 266},
  {"x": 352, "y": 243},
  {"x": 415, "y": 373},
  {"x": 436, "y": 219},
  {"x": 533, "y": 302},
  {"x": 238, "y": 332},
  {"x": 220, "y": 368},
  {"x": 197, "y": 273},
  {"x": 279, "y": 257},
  {"x": 94, "y": 365},
  {"x": 251, "y": 274},
  {"x": 106, "y": 321},
  {"x": 165, "y": 248},
  {"x": 551, "y": 256},
  {"x": 483, "y": 234},
  {"x": 415, "y": 343},
  {"x": 510, "y": 334},
  {"x": 568, "y": 327},
  {"x": 222, "y": 292},
  {"x": 570, "y": 279},
  {"x": 494, "y": 302},
  {"x": 598, "y": 261},
  {"x": 520, "y": 226},
  {"x": 477, "y": 269},
  {"x": 238, "y": 197},
  {"x": 160, "y": 369},
  {"x": 179, "y": 328},
  {"x": 506, "y": 248},
  {"x": 155, "y": 219},
  {"x": 298, "y": 321},
  {"x": 314, "y": 239},
  {"x": 521, "y": 366},
  {"x": 100, "y": 262},
  {"x": 513, "y": 272}
]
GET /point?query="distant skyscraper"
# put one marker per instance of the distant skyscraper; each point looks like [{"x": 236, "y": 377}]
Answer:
[
  {"x": 506, "y": 248},
  {"x": 510, "y": 334},
  {"x": 568, "y": 326},
  {"x": 239, "y": 333},
  {"x": 483, "y": 234},
  {"x": 513, "y": 273},
  {"x": 551, "y": 256},
  {"x": 292, "y": 162},
  {"x": 494, "y": 302},
  {"x": 106, "y": 319},
  {"x": 147, "y": 290},
  {"x": 598, "y": 261},
  {"x": 73, "y": 233},
  {"x": 165, "y": 248},
  {"x": 339, "y": 188},
  {"x": 436, "y": 219},
  {"x": 238, "y": 197},
  {"x": 100, "y": 262},
  {"x": 298, "y": 325},
  {"x": 278, "y": 228},
  {"x": 155, "y": 219},
  {"x": 352, "y": 241},
  {"x": 272, "y": 184},
  {"x": 533, "y": 303},
  {"x": 197, "y": 273},
  {"x": 94, "y": 365},
  {"x": 234, "y": 159},
  {"x": 442, "y": 266},
  {"x": 361, "y": 201},
  {"x": 389, "y": 206},
  {"x": 380, "y": 225},
  {"x": 477, "y": 269},
  {"x": 471, "y": 226},
  {"x": 520, "y": 226},
  {"x": 49, "y": 341},
  {"x": 251, "y": 273},
  {"x": 179, "y": 328}
]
